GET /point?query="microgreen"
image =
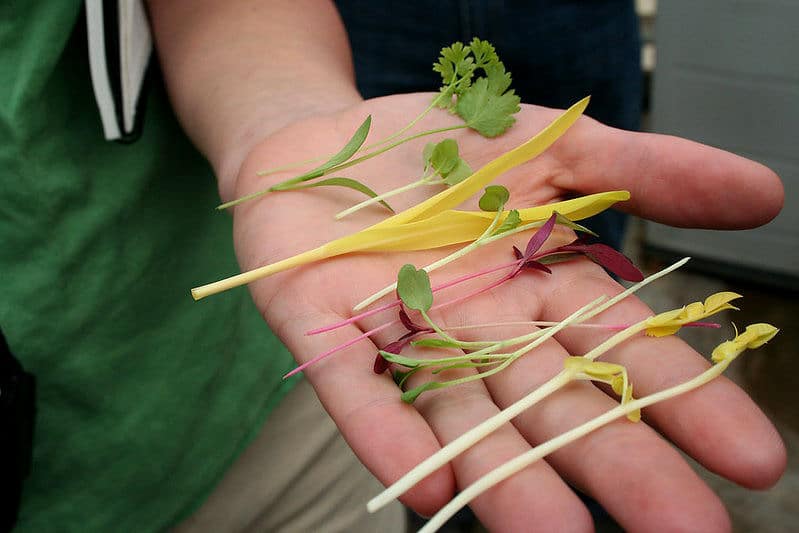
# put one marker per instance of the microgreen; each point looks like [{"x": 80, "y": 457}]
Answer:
[
  {"x": 413, "y": 288},
  {"x": 486, "y": 105},
  {"x": 442, "y": 166},
  {"x": 336, "y": 160},
  {"x": 433, "y": 223},
  {"x": 764, "y": 333}
]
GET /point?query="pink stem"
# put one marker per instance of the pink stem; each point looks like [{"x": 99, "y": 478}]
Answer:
[
  {"x": 339, "y": 348},
  {"x": 396, "y": 302}
]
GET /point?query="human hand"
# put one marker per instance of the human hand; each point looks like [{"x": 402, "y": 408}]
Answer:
[{"x": 631, "y": 470}]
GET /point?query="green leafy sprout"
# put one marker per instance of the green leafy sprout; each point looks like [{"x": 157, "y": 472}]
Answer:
[
  {"x": 486, "y": 104},
  {"x": 442, "y": 166}
]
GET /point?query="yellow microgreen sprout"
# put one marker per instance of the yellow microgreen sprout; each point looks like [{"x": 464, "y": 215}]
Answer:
[
  {"x": 610, "y": 373},
  {"x": 670, "y": 322},
  {"x": 754, "y": 336}
]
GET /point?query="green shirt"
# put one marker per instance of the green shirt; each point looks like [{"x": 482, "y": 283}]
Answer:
[{"x": 144, "y": 396}]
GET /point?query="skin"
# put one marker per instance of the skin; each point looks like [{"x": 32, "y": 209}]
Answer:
[{"x": 281, "y": 90}]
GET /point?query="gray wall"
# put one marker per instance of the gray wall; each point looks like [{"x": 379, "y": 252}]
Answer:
[{"x": 727, "y": 75}]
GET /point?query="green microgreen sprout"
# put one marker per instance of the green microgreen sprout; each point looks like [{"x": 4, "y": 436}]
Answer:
[
  {"x": 528, "y": 260},
  {"x": 442, "y": 166},
  {"x": 486, "y": 105}
]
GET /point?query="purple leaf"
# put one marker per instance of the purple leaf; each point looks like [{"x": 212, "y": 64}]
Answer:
[
  {"x": 409, "y": 324},
  {"x": 381, "y": 364},
  {"x": 605, "y": 256},
  {"x": 518, "y": 253},
  {"x": 538, "y": 238},
  {"x": 535, "y": 265}
]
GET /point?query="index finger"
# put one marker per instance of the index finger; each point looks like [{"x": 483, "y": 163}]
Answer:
[{"x": 672, "y": 180}]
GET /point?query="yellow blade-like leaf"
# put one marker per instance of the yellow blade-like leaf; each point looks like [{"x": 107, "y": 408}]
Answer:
[
  {"x": 454, "y": 196},
  {"x": 443, "y": 229},
  {"x": 455, "y": 227},
  {"x": 574, "y": 209}
]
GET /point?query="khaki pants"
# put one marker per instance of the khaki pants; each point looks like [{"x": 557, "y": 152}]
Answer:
[{"x": 297, "y": 476}]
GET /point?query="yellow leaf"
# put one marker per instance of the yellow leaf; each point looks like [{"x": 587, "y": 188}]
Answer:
[
  {"x": 670, "y": 322},
  {"x": 755, "y": 336},
  {"x": 456, "y": 195},
  {"x": 455, "y": 227}
]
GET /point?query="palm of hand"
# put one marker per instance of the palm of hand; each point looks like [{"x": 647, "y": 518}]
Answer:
[{"x": 628, "y": 467}]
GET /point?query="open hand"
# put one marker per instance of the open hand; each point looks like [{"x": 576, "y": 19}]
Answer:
[{"x": 631, "y": 469}]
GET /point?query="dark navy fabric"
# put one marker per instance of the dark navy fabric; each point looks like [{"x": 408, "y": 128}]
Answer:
[{"x": 557, "y": 51}]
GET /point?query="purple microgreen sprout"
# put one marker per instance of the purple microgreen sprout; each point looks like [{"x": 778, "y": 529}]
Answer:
[{"x": 495, "y": 194}]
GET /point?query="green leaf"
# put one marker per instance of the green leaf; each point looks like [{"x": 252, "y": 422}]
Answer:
[
  {"x": 342, "y": 182},
  {"x": 483, "y": 52},
  {"x": 350, "y": 149},
  {"x": 512, "y": 221},
  {"x": 461, "y": 171},
  {"x": 352, "y": 146},
  {"x": 435, "y": 343},
  {"x": 413, "y": 287},
  {"x": 485, "y": 111},
  {"x": 454, "y": 62},
  {"x": 407, "y": 362},
  {"x": 444, "y": 156},
  {"x": 499, "y": 79},
  {"x": 411, "y": 395},
  {"x": 494, "y": 198},
  {"x": 427, "y": 153}
]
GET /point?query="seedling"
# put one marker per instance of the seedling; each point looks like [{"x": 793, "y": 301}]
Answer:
[{"x": 486, "y": 105}]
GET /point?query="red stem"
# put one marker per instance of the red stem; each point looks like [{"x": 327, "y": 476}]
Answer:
[{"x": 396, "y": 302}]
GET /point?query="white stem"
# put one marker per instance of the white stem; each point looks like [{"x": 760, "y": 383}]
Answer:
[
  {"x": 515, "y": 465},
  {"x": 474, "y": 435},
  {"x": 378, "y": 198},
  {"x": 477, "y": 243},
  {"x": 622, "y": 295},
  {"x": 464, "y": 442}
]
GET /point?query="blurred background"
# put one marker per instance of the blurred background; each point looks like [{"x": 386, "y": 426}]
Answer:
[{"x": 726, "y": 73}]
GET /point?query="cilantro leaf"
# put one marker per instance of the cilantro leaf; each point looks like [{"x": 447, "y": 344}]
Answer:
[
  {"x": 487, "y": 111},
  {"x": 483, "y": 52}
]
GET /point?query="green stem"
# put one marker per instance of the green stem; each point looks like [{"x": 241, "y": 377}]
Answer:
[
  {"x": 408, "y": 126},
  {"x": 375, "y": 153},
  {"x": 480, "y": 241},
  {"x": 287, "y": 185},
  {"x": 381, "y": 142}
]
